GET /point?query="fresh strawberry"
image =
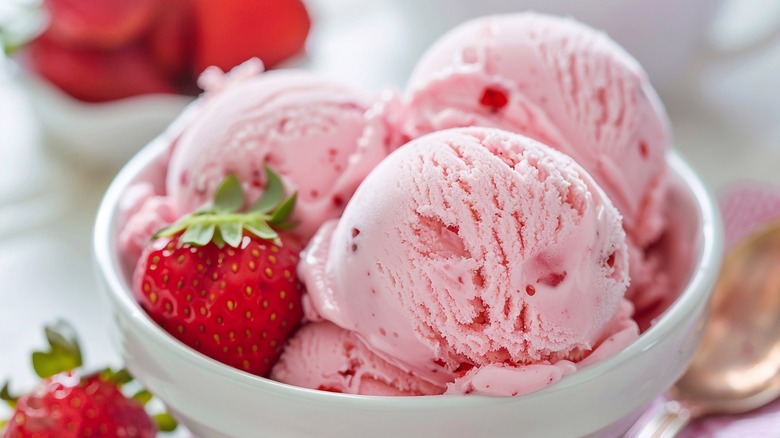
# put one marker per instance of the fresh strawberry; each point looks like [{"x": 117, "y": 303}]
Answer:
[
  {"x": 97, "y": 76},
  {"x": 67, "y": 405},
  {"x": 99, "y": 23},
  {"x": 228, "y": 32},
  {"x": 224, "y": 282}
]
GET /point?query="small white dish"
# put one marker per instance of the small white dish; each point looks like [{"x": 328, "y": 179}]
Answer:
[
  {"x": 601, "y": 400},
  {"x": 102, "y": 134}
]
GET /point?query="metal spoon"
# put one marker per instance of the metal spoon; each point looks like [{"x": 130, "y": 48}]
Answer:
[{"x": 737, "y": 365}]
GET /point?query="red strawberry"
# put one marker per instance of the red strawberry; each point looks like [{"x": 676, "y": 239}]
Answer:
[
  {"x": 66, "y": 405},
  {"x": 96, "y": 76},
  {"x": 236, "y": 303},
  {"x": 228, "y": 32},
  {"x": 99, "y": 23},
  {"x": 169, "y": 41}
]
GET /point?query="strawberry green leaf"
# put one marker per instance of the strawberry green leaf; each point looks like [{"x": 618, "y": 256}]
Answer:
[
  {"x": 272, "y": 194},
  {"x": 171, "y": 230},
  {"x": 204, "y": 210},
  {"x": 119, "y": 377},
  {"x": 231, "y": 232},
  {"x": 218, "y": 239},
  {"x": 165, "y": 422},
  {"x": 198, "y": 234},
  {"x": 6, "y": 396},
  {"x": 261, "y": 230},
  {"x": 286, "y": 225},
  {"x": 229, "y": 197},
  {"x": 284, "y": 210},
  {"x": 64, "y": 353},
  {"x": 143, "y": 396}
]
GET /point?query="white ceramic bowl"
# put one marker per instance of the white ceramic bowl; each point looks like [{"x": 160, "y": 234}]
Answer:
[{"x": 604, "y": 399}]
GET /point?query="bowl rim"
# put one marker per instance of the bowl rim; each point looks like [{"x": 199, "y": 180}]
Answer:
[{"x": 697, "y": 290}]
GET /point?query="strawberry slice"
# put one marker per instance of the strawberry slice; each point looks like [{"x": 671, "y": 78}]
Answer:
[
  {"x": 99, "y": 23},
  {"x": 224, "y": 282},
  {"x": 228, "y": 32}
]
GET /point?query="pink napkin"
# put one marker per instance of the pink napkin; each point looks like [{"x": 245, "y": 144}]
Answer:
[
  {"x": 763, "y": 422},
  {"x": 745, "y": 207}
]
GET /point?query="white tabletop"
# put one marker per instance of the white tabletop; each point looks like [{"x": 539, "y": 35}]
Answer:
[{"x": 48, "y": 201}]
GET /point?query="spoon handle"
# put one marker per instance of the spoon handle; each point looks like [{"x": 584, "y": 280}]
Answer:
[{"x": 667, "y": 422}]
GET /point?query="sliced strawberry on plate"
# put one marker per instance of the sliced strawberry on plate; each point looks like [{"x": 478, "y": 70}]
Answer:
[{"x": 224, "y": 282}]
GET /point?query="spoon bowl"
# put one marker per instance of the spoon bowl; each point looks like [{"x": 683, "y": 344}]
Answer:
[{"x": 737, "y": 365}]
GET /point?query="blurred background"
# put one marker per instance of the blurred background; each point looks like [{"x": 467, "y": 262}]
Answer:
[{"x": 78, "y": 98}]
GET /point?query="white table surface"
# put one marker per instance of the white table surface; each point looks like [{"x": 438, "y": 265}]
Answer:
[{"x": 48, "y": 202}]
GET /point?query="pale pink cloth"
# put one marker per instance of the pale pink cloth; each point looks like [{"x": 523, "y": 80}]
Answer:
[
  {"x": 746, "y": 206},
  {"x": 763, "y": 422}
]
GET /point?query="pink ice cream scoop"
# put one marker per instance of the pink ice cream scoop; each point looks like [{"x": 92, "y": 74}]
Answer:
[
  {"x": 321, "y": 136},
  {"x": 475, "y": 249},
  {"x": 147, "y": 213},
  {"x": 324, "y": 356},
  {"x": 559, "y": 82}
]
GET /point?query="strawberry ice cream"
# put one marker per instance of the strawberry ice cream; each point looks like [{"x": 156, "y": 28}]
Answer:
[
  {"x": 505, "y": 246},
  {"x": 475, "y": 253},
  {"x": 570, "y": 87},
  {"x": 325, "y": 356},
  {"x": 321, "y": 136},
  {"x": 147, "y": 213}
]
